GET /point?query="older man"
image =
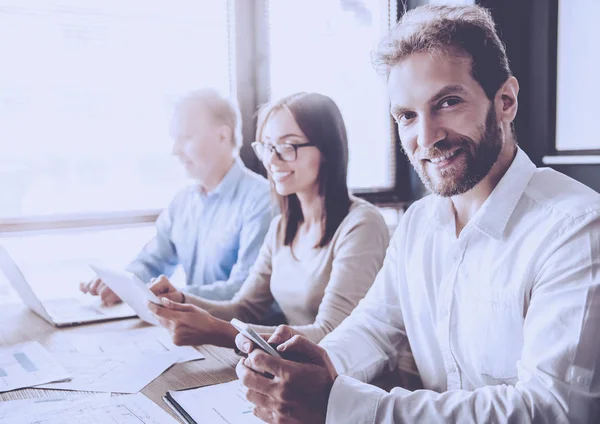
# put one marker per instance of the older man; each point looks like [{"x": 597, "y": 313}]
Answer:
[
  {"x": 215, "y": 227},
  {"x": 493, "y": 282}
]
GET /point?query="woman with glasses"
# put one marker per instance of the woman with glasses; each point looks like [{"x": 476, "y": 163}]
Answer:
[{"x": 322, "y": 253}]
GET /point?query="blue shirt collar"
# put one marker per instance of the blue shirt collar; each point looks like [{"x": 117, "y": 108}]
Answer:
[{"x": 229, "y": 182}]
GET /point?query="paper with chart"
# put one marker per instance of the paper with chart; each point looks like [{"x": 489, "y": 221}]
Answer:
[
  {"x": 140, "y": 341},
  {"x": 222, "y": 403},
  {"x": 111, "y": 373},
  {"x": 23, "y": 411},
  {"x": 95, "y": 409},
  {"x": 28, "y": 364}
]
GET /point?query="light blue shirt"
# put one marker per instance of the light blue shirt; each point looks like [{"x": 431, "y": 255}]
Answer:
[{"x": 216, "y": 237}]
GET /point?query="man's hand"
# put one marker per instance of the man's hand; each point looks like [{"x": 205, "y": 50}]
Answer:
[
  {"x": 299, "y": 391},
  {"x": 282, "y": 334},
  {"x": 190, "y": 325},
  {"x": 96, "y": 287}
]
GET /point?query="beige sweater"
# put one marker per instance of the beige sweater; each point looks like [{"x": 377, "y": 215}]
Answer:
[{"x": 316, "y": 293}]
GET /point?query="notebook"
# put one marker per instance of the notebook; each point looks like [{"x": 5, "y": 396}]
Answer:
[{"x": 222, "y": 403}]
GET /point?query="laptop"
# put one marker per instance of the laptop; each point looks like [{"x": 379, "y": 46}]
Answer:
[{"x": 63, "y": 312}]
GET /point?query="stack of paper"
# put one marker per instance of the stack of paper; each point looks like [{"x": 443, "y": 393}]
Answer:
[
  {"x": 28, "y": 364},
  {"x": 141, "y": 341},
  {"x": 95, "y": 409},
  {"x": 120, "y": 362},
  {"x": 110, "y": 373},
  {"x": 222, "y": 403}
]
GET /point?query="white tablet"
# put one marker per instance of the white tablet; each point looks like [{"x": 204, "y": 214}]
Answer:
[{"x": 131, "y": 290}]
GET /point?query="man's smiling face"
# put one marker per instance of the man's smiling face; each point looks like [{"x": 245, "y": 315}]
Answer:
[{"x": 446, "y": 123}]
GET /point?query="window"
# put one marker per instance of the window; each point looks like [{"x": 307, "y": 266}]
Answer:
[
  {"x": 577, "y": 75},
  {"x": 324, "y": 46},
  {"x": 54, "y": 263},
  {"x": 86, "y": 93},
  {"x": 447, "y": 2}
]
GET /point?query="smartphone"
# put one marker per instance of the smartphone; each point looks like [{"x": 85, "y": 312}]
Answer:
[{"x": 261, "y": 343}]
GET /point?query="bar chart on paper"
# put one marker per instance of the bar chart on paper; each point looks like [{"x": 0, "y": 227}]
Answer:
[
  {"x": 110, "y": 373},
  {"x": 27, "y": 365},
  {"x": 93, "y": 409}
]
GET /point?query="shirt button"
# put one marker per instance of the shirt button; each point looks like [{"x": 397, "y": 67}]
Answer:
[
  {"x": 452, "y": 370},
  {"x": 444, "y": 312}
]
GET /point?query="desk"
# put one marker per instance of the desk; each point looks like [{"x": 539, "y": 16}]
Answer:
[{"x": 18, "y": 324}]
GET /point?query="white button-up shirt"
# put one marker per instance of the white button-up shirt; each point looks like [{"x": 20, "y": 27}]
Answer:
[{"x": 503, "y": 321}]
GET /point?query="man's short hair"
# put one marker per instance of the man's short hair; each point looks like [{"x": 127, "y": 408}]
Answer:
[
  {"x": 224, "y": 110},
  {"x": 436, "y": 29}
]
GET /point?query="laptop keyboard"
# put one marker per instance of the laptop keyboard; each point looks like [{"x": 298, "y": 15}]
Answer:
[{"x": 71, "y": 310}]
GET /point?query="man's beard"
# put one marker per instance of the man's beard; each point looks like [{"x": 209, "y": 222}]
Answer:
[{"x": 475, "y": 163}]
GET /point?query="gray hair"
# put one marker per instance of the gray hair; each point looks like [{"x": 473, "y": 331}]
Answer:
[{"x": 224, "y": 110}]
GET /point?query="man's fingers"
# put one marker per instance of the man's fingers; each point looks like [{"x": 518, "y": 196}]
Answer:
[
  {"x": 252, "y": 379},
  {"x": 246, "y": 345},
  {"x": 259, "y": 399},
  {"x": 95, "y": 286},
  {"x": 243, "y": 343},
  {"x": 112, "y": 299},
  {"x": 304, "y": 350},
  {"x": 262, "y": 362},
  {"x": 282, "y": 334},
  {"x": 264, "y": 414},
  {"x": 271, "y": 417},
  {"x": 279, "y": 407},
  {"x": 107, "y": 295}
]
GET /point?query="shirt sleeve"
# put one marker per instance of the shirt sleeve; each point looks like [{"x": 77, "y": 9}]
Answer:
[
  {"x": 159, "y": 256},
  {"x": 557, "y": 378},
  {"x": 254, "y": 298},
  {"x": 373, "y": 337},
  {"x": 358, "y": 254},
  {"x": 255, "y": 225}
]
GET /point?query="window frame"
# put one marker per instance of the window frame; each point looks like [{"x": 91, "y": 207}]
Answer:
[
  {"x": 404, "y": 184},
  {"x": 249, "y": 82},
  {"x": 535, "y": 63}
]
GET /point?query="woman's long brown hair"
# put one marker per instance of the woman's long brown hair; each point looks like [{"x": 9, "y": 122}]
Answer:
[{"x": 321, "y": 121}]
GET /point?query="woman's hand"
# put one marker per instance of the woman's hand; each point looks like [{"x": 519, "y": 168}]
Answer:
[
  {"x": 190, "y": 325},
  {"x": 162, "y": 287}
]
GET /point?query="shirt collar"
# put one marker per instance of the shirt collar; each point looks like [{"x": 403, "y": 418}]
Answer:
[
  {"x": 502, "y": 202},
  {"x": 441, "y": 211},
  {"x": 229, "y": 181},
  {"x": 496, "y": 211}
]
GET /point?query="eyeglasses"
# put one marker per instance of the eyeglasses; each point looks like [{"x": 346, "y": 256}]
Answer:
[{"x": 286, "y": 152}]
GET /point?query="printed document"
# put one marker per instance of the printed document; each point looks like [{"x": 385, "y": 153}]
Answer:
[
  {"x": 140, "y": 341},
  {"x": 222, "y": 403},
  {"x": 109, "y": 373},
  {"x": 28, "y": 364},
  {"x": 94, "y": 409}
]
